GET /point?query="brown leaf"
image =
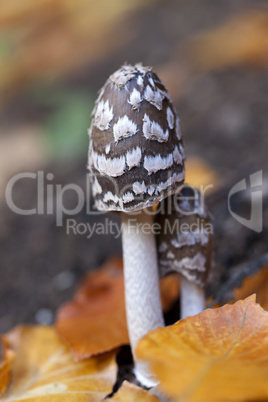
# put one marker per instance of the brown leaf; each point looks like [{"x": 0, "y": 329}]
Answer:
[
  {"x": 241, "y": 40},
  {"x": 217, "y": 355},
  {"x": 131, "y": 393},
  {"x": 95, "y": 320},
  {"x": 44, "y": 369},
  {"x": 170, "y": 290},
  {"x": 52, "y": 38},
  {"x": 258, "y": 284}
]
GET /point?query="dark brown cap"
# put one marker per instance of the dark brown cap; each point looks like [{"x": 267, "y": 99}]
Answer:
[
  {"x": 185, "y": 242},
  {"x": 136, "y": 153}
]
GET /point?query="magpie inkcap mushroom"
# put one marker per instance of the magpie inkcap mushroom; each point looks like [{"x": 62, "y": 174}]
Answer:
[
  {"x": 135, "y": 141},
  {"x": 136, "y": 159},
  {"x": 185, "y": 245}
]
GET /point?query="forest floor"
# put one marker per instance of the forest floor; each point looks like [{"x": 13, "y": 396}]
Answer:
[{"x": 224, "y": 121}]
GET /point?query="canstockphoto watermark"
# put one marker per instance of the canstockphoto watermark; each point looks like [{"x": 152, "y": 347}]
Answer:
[
  {"x": 52, "y": 198},
  {"x": 255, "y": 221},
  {"x": 108, "y": 227}
]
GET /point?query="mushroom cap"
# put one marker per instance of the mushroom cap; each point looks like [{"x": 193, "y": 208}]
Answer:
[
  {"x": 136, "y": 155},
  {"x": 185, "y": 241}
]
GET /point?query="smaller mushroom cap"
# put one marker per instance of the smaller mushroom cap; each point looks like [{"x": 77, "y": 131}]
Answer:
[
  {"x": 185, "y": 241},
  {"x": 136, "y": 155}
]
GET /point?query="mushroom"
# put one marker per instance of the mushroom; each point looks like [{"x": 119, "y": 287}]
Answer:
[
  {"x": 136, "y": 159},
  {"x": 185, "y": 246}
]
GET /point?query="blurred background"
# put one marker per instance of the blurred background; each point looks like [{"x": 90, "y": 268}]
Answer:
[{"x": 54, "y": 56}]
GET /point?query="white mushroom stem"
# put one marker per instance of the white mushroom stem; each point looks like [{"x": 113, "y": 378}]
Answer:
[
  {"x": 192, "y": 298},
  {"x": 142, "y": 293}
]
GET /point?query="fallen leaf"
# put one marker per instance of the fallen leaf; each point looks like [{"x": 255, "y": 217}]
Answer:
[
  {"x": 170, "y": 290},
  {"x": 217, "y": 355},
  {"x": 44, "y": 369},
  {"x": 200, "y": 175},
  {"x": 95, "y": 320},
  {"x": 132, "y": 393},
  {"x": 243, "y": 39},
  {"x": 50, "y": 39},
  {"x": 5, "y": 368},
  {"x": 258, "y": 284}
]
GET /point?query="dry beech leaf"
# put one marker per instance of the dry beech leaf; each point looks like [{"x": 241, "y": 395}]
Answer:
[
  {"x": 258, "y": 284},
  {"x": 5, "y": 368},
  {"x": 131, "y": 393},
  {"x": 69, "y": 35},
  {"x": 170, "y": 290},
  {"x": 44, "y": 369},
  {"x": 242, "y": 39},
  {"x": 95, "y": 320},
  {"x": 217, "y": 355},
  {"x": 199, "y": 174}
]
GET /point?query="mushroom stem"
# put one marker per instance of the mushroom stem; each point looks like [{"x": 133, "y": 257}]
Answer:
[
  {"x": 192, "y": 298},
  {"x": 142, "y": 293}
]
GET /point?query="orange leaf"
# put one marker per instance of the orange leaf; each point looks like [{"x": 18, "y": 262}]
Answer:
[
  {"x": 131, "y": 393},
  {"x": 5, "y": 367},
  {"x": 44, "y": 369},
  {"x": 95, "y": 320},
  {"x": 242, "y": 39},
  {"x": 170, "y": 290},
  {"x": 258, "y": 284},
  {"x": 199, "y": 173},
  {"x": 217, "y": 355},
  {"x": 70, "y": 34}
]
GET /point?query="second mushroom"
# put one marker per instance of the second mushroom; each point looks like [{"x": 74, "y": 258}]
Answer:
[{"x": 185, "y": 245}]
